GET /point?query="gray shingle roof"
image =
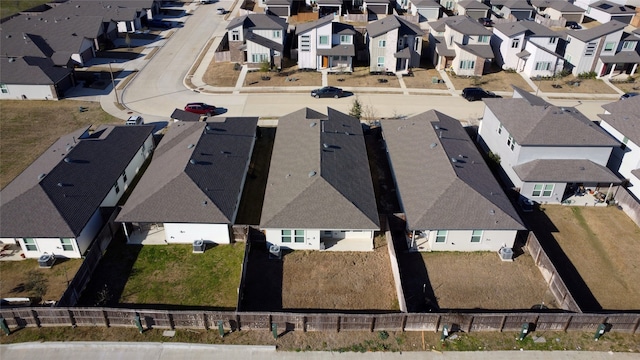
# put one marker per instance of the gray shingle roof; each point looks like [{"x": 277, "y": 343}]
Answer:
[
  {"x": 437, "y": 193},
  {"x": 510, "y": 28},
  {"x": 596, "y": 31},
  {"x": 313, "y": 24},
  {"x": 258, "y": 22},
  {"x": 424, "y": 4},
  {"x": 31, "y": 71},
  {"x": 564, "y": 171},
  {"x": 466, "y": 25},
  {"x": 531, "y": 124},
  {"x": 319, "y": 176},
  {"x": 253, "y": 37},
  {"x": 196, "y": 175},
  {"x": 625, "y": 117},
  {"x": 529, "y": 97},
  {"x": 392, "y": 22},
  {"x": 473, "y": 4},
  {"x": 622, "y": 57},
  {"x": 338, "y": 50},
  {"x": 612, "y": 8},
  {"x": 182, "y": 115},
  {"x": 71, "y": 191},
  {"x": 481, "y": 50},
  {"x": 560, "y": 5}
]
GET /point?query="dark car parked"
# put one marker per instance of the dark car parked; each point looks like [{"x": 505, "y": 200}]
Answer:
[
  {"x": 628, "y": 95},
  {"x": 485, "y": 21},
  {"x": 476, "y": 93},
  {"x": 200, "y": 108},
  {"x": 327, "y": 91},
  {"x": 573, "y": 25}
]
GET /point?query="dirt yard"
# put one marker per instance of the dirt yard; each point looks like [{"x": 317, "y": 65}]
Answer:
[
  {"x": 602, "y": 245},
  {"x": 360, "y": 77},
  {"x": 493, "y": 81},
  {"x": 423, "y": 79},
  {"x": 25, "y": 279},
  {"x": 630, "y": 86},
  {"x": 291, "y": 77},
  {"x": 221, "y": 74},
  {"x": 320, "y": 280},
  {"x": 567, "y": 85}
]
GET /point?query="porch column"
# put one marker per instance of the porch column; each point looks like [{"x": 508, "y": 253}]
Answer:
[
  {"x": 613, "y": 68},
  {"x": 126, "y": 233},
  {"x": 635, "y": 67}
]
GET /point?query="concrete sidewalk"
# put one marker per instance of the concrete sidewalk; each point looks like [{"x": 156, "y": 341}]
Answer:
[{"x": 179, "y": 351}]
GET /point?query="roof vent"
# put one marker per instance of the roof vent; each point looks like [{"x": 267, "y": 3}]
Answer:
[
  {"x": 325, "y": 145},
  {"x": 190, "y": 146},
  {"x": 312, "y": 173},
  {"x": 454, "y": 160},
  {"x": 41, "y": 176},
  {"x": 207, "y": 127},
  {"x": 60, "y": 184},
  {"x": 11, "y": 59},
  {"x": 67, "y": 160},
  {"x": 433, "y": 145},
  {"x": 347, "y": 133},
  {"x": 312, "y": 124},
  {"x": 582, "y": 168},
  {"x": 436, "y": 127},
  {"x": 192, "y": 161},
  {"x": 492, "y": 212}
]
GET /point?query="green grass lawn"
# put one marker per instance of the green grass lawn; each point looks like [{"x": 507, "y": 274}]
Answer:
[
  {"x": 10, "y": 7},
  {"x": 173, "y": 275}
]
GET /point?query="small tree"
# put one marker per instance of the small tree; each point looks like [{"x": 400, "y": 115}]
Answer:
[
  {"x": 265, "y": 66},
  {"x": 356, "y": 109}
]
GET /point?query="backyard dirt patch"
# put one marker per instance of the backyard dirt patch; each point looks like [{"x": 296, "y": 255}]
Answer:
[
  {"x": 287, "y": 77},
  {"x": 573, "y": 85},
  {"x": 493, "y": 81},
  {"x": 25, "y": 279},
  {"x": 424, "y": 79},
  {"x": 21, "y": 142},
  {"x": 361, "y": 77},
  {"x": 222, "y": 74},
  {"x": 602, "y": 245},
  {"x": 320, "y": 280},
  {"x": 631, "y": 85}
]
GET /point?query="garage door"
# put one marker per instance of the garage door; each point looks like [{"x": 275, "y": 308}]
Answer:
[
  {"x": 623, "y": 19},
  {"x": 521, "y": 15},
  {"x": 377, "y": 9}
]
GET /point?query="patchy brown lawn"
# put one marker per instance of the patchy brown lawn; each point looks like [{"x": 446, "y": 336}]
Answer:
[
  {"x": 632, "y": 86},
  {"x": 221, "y": 74},
  {"x": 25, "y": 279},
  {"x": 494, "y": 81},
  {"x": 320, "y": 280},
  {"x": 30, "y": 127},
  {"x": 423, "y": 79},
  {"x": 289, "y": 77},
  {"x": 567, "y": 85},
  {"x": 360, "y": 77},
  {"x": 480, "y": 280},
  {"x": 602, "y": 244}
]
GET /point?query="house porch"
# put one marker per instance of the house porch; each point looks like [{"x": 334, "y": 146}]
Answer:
[
  {"x": 146, "y": 234},
  {"x": 331, "y": 244},
  {"x": 588, "y": 195},
  {"x": 11, "y": 252}
]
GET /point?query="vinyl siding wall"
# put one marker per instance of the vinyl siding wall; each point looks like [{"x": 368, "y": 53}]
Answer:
[{"x": 181, "y": 233}]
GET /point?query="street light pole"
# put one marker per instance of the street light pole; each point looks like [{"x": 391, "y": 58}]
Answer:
[{"x": 113, "y": 83}]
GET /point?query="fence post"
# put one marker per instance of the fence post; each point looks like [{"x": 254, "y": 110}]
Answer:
[
  {"x": 338, "y": 324},
  {"x": 106, "y": 319},
  {"x": 504, "y": 321},
  {"x": 403, "y": 323},
  {"x": 635, "y": 326},
  {"x": 470, "y": 323},
  {"x": 566, "y": 325},
  {"x": 373, "y": 323}
]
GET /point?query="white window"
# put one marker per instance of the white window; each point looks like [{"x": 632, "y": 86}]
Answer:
[
  {"x": 286, "y": 236},
  {"x": 277, "y": 34},
  {"x": 609, "y": 46},
  {"x": 553, "y": 40},
  {"x": 258, "y": 58},
  {"x": 591, "y": 48},
  {"x": 323, "y": 40},
  {"x": 544, "y": 190},
  {"x": 441, "y": 236},
  {"x": 476, "y": 236},
  {"x": 380, "y": 61},
  {"x": 4, "y": 89},
  {"x": 345, "y": 39},
  {"x": 511, "y": 142},
  {"x": 235, "y": 35},
  {"x": 543, "y": 65},
  {"x": 483, "y": 39},
  {"x": 299, "y": 236},
  {"x": 305, "y": 43},
  {"x": 417, "y": 44},
  {"x": 625, "y": 45},
  {"x": 382, "y": 43},
  {"x": 66, "y": 243},
  {"x": 30, "y": 244},
  {"x": 515, "y": 44},
  {"x": 467, "y": 64}
]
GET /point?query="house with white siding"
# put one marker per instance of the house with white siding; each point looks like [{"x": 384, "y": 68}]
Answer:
[
  {"x": 473, "y": 9},
  {"x": 257, "y": 38},
  {"x": 621, "y": 119},
  {"x": 63, "y": 199},
  {"x": 449, "y": 197},
  {"x": 460, "y": 44},
  {"x": 528, "y": 48},
  {"x": 605, "y": 49},
  {"x": 326, "y": 44},
  {"x": 395, "y": 45},
  {"x": 604, "y": 11},
  {"x": 549, "y": 154},
  {"x": 192, "y": 188},
  {"x": 558, "y": 9},
  {"x": 319, "y": 193},
  {"x": 514, "y": 10}
]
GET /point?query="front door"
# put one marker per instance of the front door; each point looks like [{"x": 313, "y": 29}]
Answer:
[{"x": 325, "y": 62}]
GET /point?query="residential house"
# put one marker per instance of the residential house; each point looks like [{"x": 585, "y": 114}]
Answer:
[
  {"x": 605, "y": 49},
  {"x": 527, "y": 47},
  {"x": 426, "y": 10},
  {"x": 450, "y": 198},
  {"x": 549, "y": 154},
  {"x": 558, "y": 9},
  {"x": 192, "y": 188},
  {"x": 461, "y": 45},
  {"x": 395, "y": 45},
  {"x": 181, "y": 115},
  {"x": 621, "y": 119},
  {"x": 60, "y": 203},
  {"x": 319, "y": 192},
  {"x": 281, "y": 8},
  {"x": 376, "y": 9},
  {"x": 584, "y": 4},
  {"x": 473, "y": 9},
  {"x": 326, "y": 44},
  {"x": 512, "y": 9},
  {"x": 257, "y": 38},
  {"x": 604, "y": 11},
  {"x": 329, "y": 7}
]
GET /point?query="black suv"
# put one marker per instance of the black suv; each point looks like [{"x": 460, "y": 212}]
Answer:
[{"x": 476, "y": 93}]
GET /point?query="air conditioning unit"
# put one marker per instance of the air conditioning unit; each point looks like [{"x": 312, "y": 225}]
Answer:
[
  {"x": 46, "y": 261},
  {"x": 506, "y": 254},
  {"x": 198, "y": 246},
  {"x": 275, "y": 252}
]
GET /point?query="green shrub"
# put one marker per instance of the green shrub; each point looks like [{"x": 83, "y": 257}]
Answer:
[{"x": 587, "y": 75}]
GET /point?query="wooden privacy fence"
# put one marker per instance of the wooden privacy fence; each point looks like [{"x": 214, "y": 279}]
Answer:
[
  {"x": 395, "y": 269},
  {"x": 234, "y": 321},
  {"x": 550, "y": 274},
  {"x": 629, "y": 204}
]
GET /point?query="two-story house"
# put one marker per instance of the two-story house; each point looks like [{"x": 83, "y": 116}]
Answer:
[
  {"x": 527, "y": 47},
  {"x": 512, "y": 9},
  {"x": 319, "y": 193},
  {"x": 604, "y": 49},
  {"x": 257, "y": 38},
  {"x": 558, "y": 9},
  {"x": 604, "y": 11},
  {"x": 426, "y": 10},
  {"x": 450, "y": 198},
  {"x": 473, "y": 9},
  {"x": 63, "y": 199},
  {"x": 395, "y": 45},
  {"x": 548, "y": 153},
  {"x": 460, "y": 44},
  {"x": 191, "y": 190},
  {"x": 326, "y": 44},
  {"x": 621, "y": 119}
]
